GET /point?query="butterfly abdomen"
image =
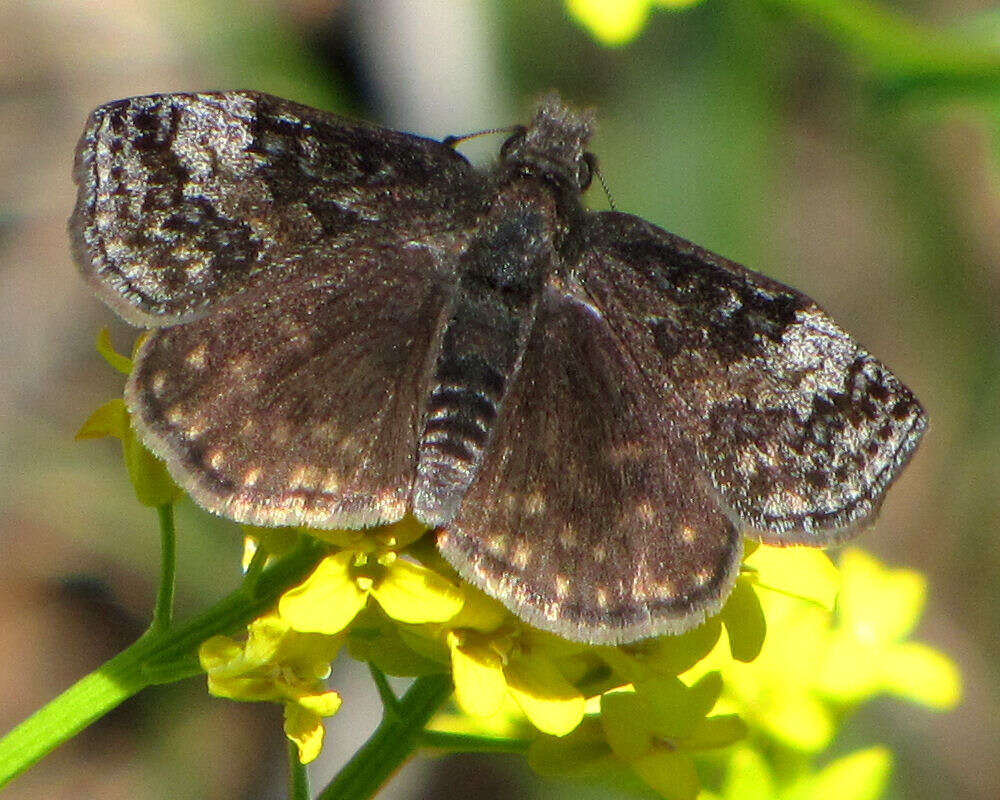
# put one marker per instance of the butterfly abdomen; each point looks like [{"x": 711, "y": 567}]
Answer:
[{"x": 501, "y": 274}]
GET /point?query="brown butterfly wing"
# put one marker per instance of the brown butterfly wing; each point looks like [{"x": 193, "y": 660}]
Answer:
[
  {"x": 799, "y": 430},
  {"x": 589, "y": 516},
  {"x": 298, "y": 403},
  {"x": 188, "y": 199}
]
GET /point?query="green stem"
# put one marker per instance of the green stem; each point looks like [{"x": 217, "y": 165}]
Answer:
[
  {"x": 393, "y": 742},
  {"x": 468, "y": 743},
  {"x": 163, "y": 612},
  {"x": 256, "y": 565},
  {"x": 298, "y": 777},
  {"x": 390, "y": 703},
  {"x": 157, "y": 655}
]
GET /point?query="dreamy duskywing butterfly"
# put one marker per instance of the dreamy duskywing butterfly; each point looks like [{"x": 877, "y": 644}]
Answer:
[{"x": 352, "y": 324}]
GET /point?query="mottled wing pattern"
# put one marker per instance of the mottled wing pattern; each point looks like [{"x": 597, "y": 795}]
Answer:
[
  {"x": 188, "y": 199},
  {"x": 798, "y": 428},
  {"x": 298, "y": 404},
  {"x": 588, "y": 516}
]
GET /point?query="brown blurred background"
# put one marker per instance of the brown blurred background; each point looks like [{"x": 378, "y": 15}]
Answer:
[{"x": 734, "y": 124}]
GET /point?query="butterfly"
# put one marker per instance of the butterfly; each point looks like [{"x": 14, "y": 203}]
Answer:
[{"x": 351, "y": 324}]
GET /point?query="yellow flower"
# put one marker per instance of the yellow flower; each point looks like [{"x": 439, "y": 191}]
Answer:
[
  {"x": 867, "y": 652},
  {"x": 518, "y": 663},
  {"x": 369, "y": 566},
  {"x": 657, "y": 725},
  {"x": 774, "y": 691},
  {"x": 812, "y": 656},
  {"x": 281, "y": 665},
  {"x": 653, "y": 728},
  {"x": 617, "y": 22},
  {"x": 495, "y": 660}
]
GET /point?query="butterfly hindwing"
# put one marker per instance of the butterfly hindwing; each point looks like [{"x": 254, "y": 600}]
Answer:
[
  {"x": 798, "y": 428},
  {"x": 588, "y": 516},
  {"x": 298, "y": 404}
]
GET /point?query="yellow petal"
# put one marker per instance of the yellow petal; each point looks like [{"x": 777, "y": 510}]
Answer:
[
  {"x": 327, "y": 600},
  {"x": 671, "y": 774},
  {"x": 663, "y": 655},
  {"x": 305, "y": 729},
  {"x": 551, "y": 703},
  {"x": 412, "y": 593},
  {"x": 478, "y": 674},
  {"x": 218, "y": 651},
  {"x": 264, "y": 637},
  {"x": 921, "y": 674},
  {"x": 325, "y": 704},
  {"x": 798, "y": 719},
  {"x": 879, "y": 604},
  {"x": 400, "y": 534},
  {"x": 851, "y": 670},
  {"x": 581, "y": 754},
  {"x": 748, "y": 776},
  {"x": 117, "y": 361},
  {"x": 861, "y": 775},
  {"x": 746, "y": 626},
  {"x": 251, "y": 688},
  {"x": 479, "y": 611},
  {"x": 612, "y": 22},
  {"x": 152, "y": 483},
  {"x": 715, "y": 732},
  {"x": 673, "y": 709},
  {"x": 804, "y": 572},
  {"x": 622, "y": 717}
]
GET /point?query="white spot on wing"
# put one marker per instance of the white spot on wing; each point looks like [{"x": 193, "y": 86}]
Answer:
[
  {"x": 196, "y": 358},
  {"x": 158, "y": 383},
  {"x": 535, "y": 503}
]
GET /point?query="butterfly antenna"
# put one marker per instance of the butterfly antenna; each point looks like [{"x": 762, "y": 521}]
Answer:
[
  {"x": 604, "y": 185},
  {"x": 451, "y": 141}
]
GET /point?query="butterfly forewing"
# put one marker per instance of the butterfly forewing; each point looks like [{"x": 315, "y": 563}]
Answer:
[
  {"x": 797, "y": 427},
  {"x": 188, "y": 199},
  {"x": 589, "y": 516}
]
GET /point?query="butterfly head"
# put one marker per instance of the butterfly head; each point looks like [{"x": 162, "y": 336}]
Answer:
[{"x": 553, "y": 146}]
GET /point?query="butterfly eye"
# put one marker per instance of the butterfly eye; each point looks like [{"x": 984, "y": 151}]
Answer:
[
  {"x": 586, "y": 167},
  {"x": 512, "y": 142}
]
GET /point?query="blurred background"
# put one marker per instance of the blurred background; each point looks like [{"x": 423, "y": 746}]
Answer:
[{"x": 763, "y": 130}]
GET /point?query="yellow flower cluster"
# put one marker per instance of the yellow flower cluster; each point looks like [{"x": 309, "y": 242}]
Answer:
[{"x": 643, "y": 712}]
